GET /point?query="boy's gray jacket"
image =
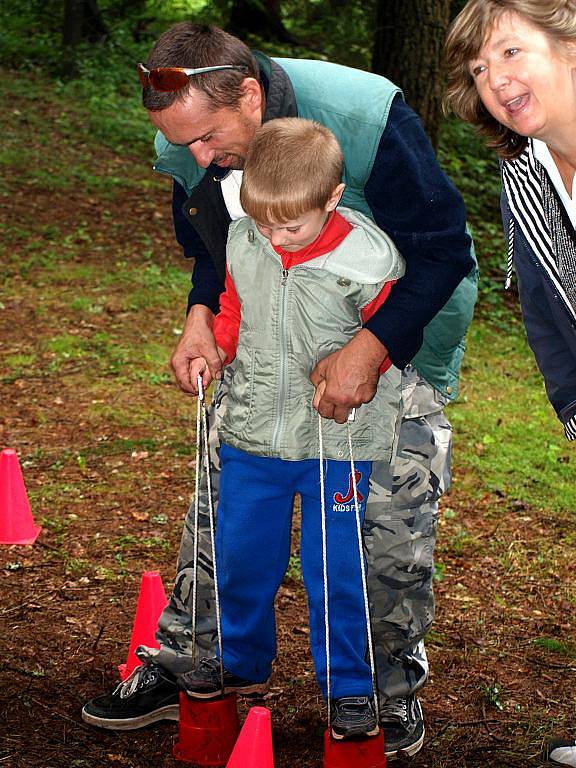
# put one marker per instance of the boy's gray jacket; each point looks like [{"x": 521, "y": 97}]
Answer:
[{"x": 291, "y": 319}]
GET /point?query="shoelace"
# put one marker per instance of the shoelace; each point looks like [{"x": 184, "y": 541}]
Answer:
[
  {"x": 395, "y": 709},
  {"x": 138, "y": 678},
  {"x": 209, "y": 664}
]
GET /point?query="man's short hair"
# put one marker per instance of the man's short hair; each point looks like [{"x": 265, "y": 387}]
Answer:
[
  {"x": 197, "y": 45},
  {"x": 292, "y": 167}
]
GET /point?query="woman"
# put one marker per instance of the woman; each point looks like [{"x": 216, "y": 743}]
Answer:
[{"x": 512, "y": 74}]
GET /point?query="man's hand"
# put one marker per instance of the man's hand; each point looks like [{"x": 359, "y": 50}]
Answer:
[
  {"x": 197, "y": 340},
  {"x": 350, "y": 376}
]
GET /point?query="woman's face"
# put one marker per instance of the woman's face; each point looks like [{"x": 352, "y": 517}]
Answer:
[{"x": 525, "y": 80}]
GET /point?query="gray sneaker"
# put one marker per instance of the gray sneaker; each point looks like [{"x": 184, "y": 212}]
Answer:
[
  {"x": 353, "y": 718},
  {"x": 204, "y": 682},
  {"x": 403, "y": 725}
]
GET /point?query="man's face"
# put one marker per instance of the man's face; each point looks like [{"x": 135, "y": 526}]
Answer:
[{"x": 221, "y": 137}]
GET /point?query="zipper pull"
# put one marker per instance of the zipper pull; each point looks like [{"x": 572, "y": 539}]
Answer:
[{"x": 284, "y": 276}]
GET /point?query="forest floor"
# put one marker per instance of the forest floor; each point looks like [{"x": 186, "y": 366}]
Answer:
[{"x": 92, "y": 300}]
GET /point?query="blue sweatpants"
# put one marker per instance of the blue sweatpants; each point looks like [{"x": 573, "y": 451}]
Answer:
[{"x": 252, "y": 552}]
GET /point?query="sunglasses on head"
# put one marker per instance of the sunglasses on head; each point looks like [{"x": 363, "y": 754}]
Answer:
[{"x": 169, "y": 79}]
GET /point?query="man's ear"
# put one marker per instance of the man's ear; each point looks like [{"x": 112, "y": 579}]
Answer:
[
  {"x": 335, "y": 197},
  {"x": 252, "y": 96}
]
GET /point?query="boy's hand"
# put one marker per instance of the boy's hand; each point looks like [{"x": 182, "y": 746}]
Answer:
[
  {"x": 350, "y": 376},
  {"x": 197, "y": 341}
]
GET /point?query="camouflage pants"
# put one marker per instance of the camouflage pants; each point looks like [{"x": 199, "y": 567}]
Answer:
[{"x": 399, "y": 531}]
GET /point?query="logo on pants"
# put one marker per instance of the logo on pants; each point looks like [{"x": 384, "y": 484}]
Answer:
[{"x": 345, "y": 503}]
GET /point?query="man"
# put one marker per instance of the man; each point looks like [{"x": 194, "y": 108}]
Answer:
[{"x": 206, "y": 118}]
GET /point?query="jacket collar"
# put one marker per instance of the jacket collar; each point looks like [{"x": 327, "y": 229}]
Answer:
[
  {"x": 280, "y": 97},
  {"x": 523, "y": 187}
]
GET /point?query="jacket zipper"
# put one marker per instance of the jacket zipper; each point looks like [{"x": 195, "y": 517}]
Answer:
[{"x": 278, "y": 422}]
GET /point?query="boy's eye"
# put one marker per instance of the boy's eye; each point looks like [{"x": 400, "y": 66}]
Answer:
[{"x": 292, "y": 230}]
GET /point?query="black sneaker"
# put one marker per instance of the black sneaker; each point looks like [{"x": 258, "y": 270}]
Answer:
[
  {"x": 561, "y": 752},
  {"x": 148, "y": 695},
  {"x": 403, "y": 725},
  {"x": 353, "y": 717},
  {"x": 204, "y": 682}
]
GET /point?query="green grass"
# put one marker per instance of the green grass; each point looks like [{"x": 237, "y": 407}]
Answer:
[{"x": 507, "y": 434}]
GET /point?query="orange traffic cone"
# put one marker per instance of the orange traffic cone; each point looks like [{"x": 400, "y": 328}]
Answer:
[
  {"x": 364, "y": 753},
  {"x": 151, "y": 602},
  {"x": 207, "y": 730},
  {"x": 16, "y": 521},
  {"x": 254, "y": 746}
]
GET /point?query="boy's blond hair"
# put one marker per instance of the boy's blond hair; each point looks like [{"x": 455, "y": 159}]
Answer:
[
  {"x": 293, "y": 166},
  {"x": 467, "y": 35}
]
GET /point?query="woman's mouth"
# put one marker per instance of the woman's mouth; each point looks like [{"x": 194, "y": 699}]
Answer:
[{"x": 517, "y": 104}]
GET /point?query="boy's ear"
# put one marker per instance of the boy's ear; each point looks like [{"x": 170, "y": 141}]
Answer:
[{"x": 335, "y": 197}]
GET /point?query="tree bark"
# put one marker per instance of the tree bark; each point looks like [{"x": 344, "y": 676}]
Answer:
[
  {"x": 82, "y": 21},
  {"x": 408, "y": 49},
  {"x": 258, "y": 17},
  {"x": 73, "y": 17}
]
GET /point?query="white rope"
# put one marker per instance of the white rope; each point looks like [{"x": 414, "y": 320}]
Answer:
[
  {"x": 196, "y": 516},
  {"x": 211, "y": 515},
  {"x": 324, "y": 564},
  {"x": 362, "y": 567}
]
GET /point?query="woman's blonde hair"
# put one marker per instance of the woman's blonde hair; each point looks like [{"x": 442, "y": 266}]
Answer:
[
  {"x": 292, "y": 166},
  {"x": 467, "y": 35}
]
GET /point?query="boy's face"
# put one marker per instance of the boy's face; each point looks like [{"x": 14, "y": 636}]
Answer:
[{"x": 296, "y": 234}]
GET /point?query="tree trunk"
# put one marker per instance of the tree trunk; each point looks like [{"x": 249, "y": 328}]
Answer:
[
  {"x": 258, "y": 17},
  {"x": 73, "y": 18},
  {"x": 82, "y": 21},
  {"x": 408, "y": 49}
]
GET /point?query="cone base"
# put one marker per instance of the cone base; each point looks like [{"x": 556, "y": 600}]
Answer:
[
  {"x": 207, "y": 731},
  {"x": 362, "y": 753},
  {"x": 28, "y": 540},
  {"x": 124, "y": 671}
]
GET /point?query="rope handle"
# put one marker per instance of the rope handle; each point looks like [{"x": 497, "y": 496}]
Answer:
[{"x": 351, "y": 418}]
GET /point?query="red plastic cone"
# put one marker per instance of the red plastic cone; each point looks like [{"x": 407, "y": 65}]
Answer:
[
  {"x": 364, "y": 753},
  {"x": 16, "y": 521},
  {"x": 207, "y": 730},
  {"x": 254, "y": 746},
  {"x": 151, "y": 602}
]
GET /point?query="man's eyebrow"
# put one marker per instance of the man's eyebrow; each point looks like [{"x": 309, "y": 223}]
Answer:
[{"x": 192, "y": 141}]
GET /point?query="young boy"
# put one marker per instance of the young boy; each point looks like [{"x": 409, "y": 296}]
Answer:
[{"x": 301, "y": 279}]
